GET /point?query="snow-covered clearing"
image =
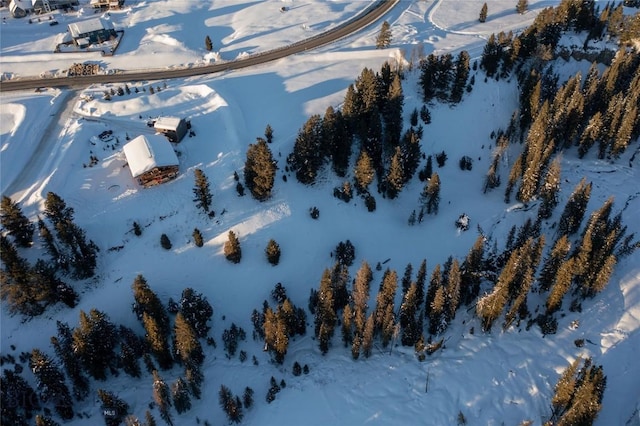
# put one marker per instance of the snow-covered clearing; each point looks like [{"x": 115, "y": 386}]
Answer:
[{"x": 502, "y": 377}]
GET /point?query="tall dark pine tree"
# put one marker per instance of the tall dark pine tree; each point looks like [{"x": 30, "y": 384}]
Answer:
[
  {"x": 146, "y": 301},
  {"x": 460, "y": 77},
  {"x": 63, "y": 347},
  {"x": 308, "y": 153},
  {"x": 410, "y": 322},
  {"x": 384, "y": 36},
  {"x": 392, "y": 113},
  {"x": 157, "y": 341},
  {"x": 395, "y": 175},
  {"x": 208, "y": 44},
  {"x": 202, "y": 191},
  {"x": 231, "y": 406},
  {"x": 575, "y": 208},
  {"x": 196, "y": 310},
  {"x": 471, "y": 272},
  {"x": 259, "y": 170},
  {"x": 180, "y": 395},
  {"x": 162, "y": 397},
  {"x": 17, "y": 399},
  {"x": 94, "y": 342},
  {"x": 431, "y": 194},
  {"x": 549, "y": 190},
  {"x": 17, "y": 287},
  {"x": 51, "y": 383},
  {"x": 411, "y": 154},
  {"x": 15, "y": 222},
  {"x": 56, "y": 210}
]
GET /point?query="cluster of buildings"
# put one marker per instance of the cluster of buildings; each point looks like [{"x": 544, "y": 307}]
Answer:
[
  {"x": 151, "y": 158},
  {"x": 22, "y": 8}
]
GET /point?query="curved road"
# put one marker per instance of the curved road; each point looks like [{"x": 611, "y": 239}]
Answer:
[{"x": 358, "y": 23}]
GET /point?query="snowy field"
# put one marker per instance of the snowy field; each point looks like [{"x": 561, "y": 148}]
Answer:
[{"x": 498, "y": 378}]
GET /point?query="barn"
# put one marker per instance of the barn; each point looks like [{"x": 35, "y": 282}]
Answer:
[
  {"x": 151, "y": 159},
  {"x": 173, "y": 128},
  {"x": 92, "y": 31}
]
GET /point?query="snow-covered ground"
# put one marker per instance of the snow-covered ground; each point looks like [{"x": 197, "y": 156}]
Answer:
[{"x": 502, "y": 377}]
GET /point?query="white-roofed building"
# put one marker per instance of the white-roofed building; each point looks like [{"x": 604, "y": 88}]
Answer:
[
  {"x": 20, "y": 8},
  {"x": 151, "y": 159},
  {"x": 173, "y": 128},
  {"x": 95, "y": 30}
]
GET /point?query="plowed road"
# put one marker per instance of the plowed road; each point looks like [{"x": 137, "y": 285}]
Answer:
[{"x": 356, "y": 24}]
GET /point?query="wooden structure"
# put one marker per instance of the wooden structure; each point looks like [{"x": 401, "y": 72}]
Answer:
[
  {"x": 151, "y": 159},
  {"x": 106, "y": 4},
  {"x": 173, "y": 128}
]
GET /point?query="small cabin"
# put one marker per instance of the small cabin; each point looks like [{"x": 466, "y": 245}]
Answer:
[
  {"x": 173, "y": 128},
  {"x": 151, "y": 159}
]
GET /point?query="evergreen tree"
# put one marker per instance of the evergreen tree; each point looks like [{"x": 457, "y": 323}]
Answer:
[
  {"x": 16, "y": 286},
  {"x": 268, "y": 133},
  {"x": 259, "y": 170},
  {"x": 247, "y": 397},
  {"x": 180, "y": 395},
  {"x": 51, "y": 383},
  {"x": 232, "y": 250},
  {"x": 202, "y": 191},
  {"x": 275, "y": 334},
  {"x": 17, "y": 399},
  {"x": 461, "y": 76},
  {"x": 364, "y": 172},
  {"x": 367, "y": 337},
  {"x": 409, "y": 318},
  {"x": 325, "y": 312},
  {"x": 574, "y": 210},
  {"x": 186, "y": 344},
  {"x": 561, "y": 285},
  {"x": 471, "y": 272},
  {"x": 149, "y": 419},
  {"x": 273, "y": 252},
  {"x": 549, "y": 190},
  {"x": 454, "y": 279},
  {"x": 56, "y": 210},
  {"x": 384, "y": 36},
  {"x": 395, "y": 175},
  {"x": 411, "y": 154},
  {"x": 15, "y": 222},
  {"x": 157, "y": 341},
  {"x": 94, "y": 342},
  {"x": 231, "y": 406},
  {"x": 522, "y": 6},
  {"x": 114, "y": 409},
  {"x": 308, "y": 153},
  {"x": 552, "y": 263},
  {"x": 162, "y": 397},
  {"x": 63, "y": 347},
  {"x": 208, "y": 44},
  {"x": 483, "y": 13},
  {"x": 431, "y": 194},
  {"x": 392, "y": 113},
  {"x": 384, "y": 311},
  {"x": 146, "y": 301},
  {"x": 196, "y": 310}
]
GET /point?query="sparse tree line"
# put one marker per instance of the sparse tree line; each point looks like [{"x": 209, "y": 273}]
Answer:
[
  {"x": 97, "y": 348},
  {"x": 29, "y": 289}
]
